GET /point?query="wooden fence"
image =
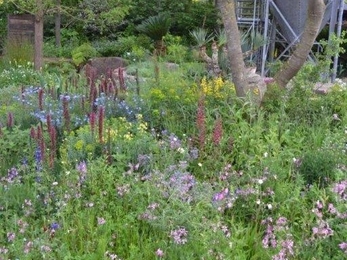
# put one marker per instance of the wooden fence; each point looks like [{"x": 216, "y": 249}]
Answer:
[{"x": 21, "y": 28}]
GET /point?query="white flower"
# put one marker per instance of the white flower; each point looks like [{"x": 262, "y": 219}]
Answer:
[
  {"x": 180, "y": 150},
  {"x": 269, "y": 206},
  {"x": 336, "y": 117}
]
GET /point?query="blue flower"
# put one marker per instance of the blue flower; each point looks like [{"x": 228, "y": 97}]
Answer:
[{"x": 55, "y": 226}]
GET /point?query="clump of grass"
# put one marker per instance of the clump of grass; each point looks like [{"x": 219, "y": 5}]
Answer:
[
  {"x": 18, "y": 51},
  {"x": 318, "y": 167}
]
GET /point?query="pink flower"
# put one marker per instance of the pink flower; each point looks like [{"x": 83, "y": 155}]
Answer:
[
  {"x": 159, "y": 253},
  {"x": 11, "y": 236},
  {"x": 101, "y": 221},
  {"x": 343, "y": 246},
  {"x": 179, "y": 236}
]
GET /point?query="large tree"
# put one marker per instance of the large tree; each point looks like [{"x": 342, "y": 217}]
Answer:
[
  {"x": 92, "y": 14},
  {"x": 38, "y": 8},
  {"x": 315, "y": 14},
  {"x": 235, "y": 56}
]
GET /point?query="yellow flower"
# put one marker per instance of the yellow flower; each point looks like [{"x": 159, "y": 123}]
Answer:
[
  {"x": 113, "y": 133},
  {"x": 256, "y": 91},
  {"x": 128, "y": 136},
  {"x": 212, "y": 88},
  {"x": 142, "y": 127},
  {"x": 79, "y": 145},
  {"x": 89, "y": 148}
]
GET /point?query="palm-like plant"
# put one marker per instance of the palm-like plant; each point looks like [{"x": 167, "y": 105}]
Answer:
[
  {"x": 156, "y": 27},
  {"x": 201, "y": 37},
  {"x": 221, "y": 37}
]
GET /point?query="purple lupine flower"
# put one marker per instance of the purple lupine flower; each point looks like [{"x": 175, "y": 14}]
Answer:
[
  {"x": 38, "y": 159},
  {"x": 82, "y": 169},
  {"x": 10, "y": 120}
]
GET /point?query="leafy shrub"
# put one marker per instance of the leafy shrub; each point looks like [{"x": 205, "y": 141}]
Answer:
[
  {"x": 15, "y": 146},
  {"x": 176, "y": 51},
  {"x": 51, "y": 50},
  {"x": 318, "y": 167},
  {"x": 305, "y": 107},
  {"x": 82, "y": 53},
  {"x": 122, "y": 46}
]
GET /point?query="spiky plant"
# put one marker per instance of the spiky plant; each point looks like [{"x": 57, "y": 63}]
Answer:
[
  {"x": 201, "y": 37},
  {"x": 156, "y": 27},
  {"x": 221, "y": 37}
]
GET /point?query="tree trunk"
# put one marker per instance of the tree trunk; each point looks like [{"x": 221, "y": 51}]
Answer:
[
  {"x": 235, "y": 56},
  {"x": 38, "y": 59},
  {"x": 58, "y": 24},
  {"x": 315, "y": 13}
]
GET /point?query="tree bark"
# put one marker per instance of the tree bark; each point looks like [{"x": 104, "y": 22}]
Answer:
[
  {"x": 38, "y": 59},
  {"x": 58, "y": 24},
  {"x": 315, "y": 13},
  {"x": 235, "y": 56}
]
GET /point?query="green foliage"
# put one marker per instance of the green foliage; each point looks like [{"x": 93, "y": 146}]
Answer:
[
  {"x": 102, "y": 17},
  {"x": 155, "y": 27},
  {"x": 201, "y": 37},
  {"x": 171, "y": 98},
  {"x": 186, "y": 14},
  {"x": 128, "y": 47},
  {"x": 318, "y": 167},
  {"x": 13, "y": 74},
  {"x": 19, "y": 52},
  {"x": 176, "y": 51},
  {"x": 15, "y": 145},
  {"x": 82, "y": 53},
  {"x": 70, "y": 39}
]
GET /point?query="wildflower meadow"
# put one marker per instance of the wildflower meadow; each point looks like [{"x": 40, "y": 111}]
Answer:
[{"x": 169, "y": 164}]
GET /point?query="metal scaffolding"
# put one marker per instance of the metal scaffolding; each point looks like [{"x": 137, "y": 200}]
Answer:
[{"x": 281, "y": 23}]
